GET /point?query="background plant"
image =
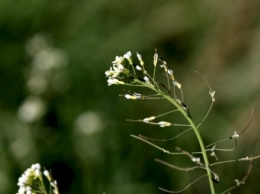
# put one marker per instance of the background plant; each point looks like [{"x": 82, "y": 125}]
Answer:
[{"x": 37, "y": 181}]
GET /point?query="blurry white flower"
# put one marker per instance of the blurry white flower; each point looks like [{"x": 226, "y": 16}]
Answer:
[
  {"x": 88, "y": 123},
  {"x": 132, "y": 97},
  {"x": 140, "y": 59},
  {"x": 118, "y": 60},
  {"x": 164, "y": 124},
  {"x": 128, "y": 55},
  {"x": 147, "y": 120},
  {"x": 155, "y": 59},
  {"x": 212, "y": 95},
  {"x": 115, "y": 81},
  {"x": 235, "y": 135},
  {"x": 32, "y": 109},
  {"x": 138, "y": 68},
  {"x": 146, "y": 79},
  {"x": 170, "y": 72},
  {"x": 114, "y": 71},
  {"x": 175, "y": 83},
  {"x": 47, "y": 174}
]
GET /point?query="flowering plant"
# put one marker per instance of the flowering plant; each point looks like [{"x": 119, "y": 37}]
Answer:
[
  {"x": 125, "y": 72},
  {"x": 32, "y": 181}
]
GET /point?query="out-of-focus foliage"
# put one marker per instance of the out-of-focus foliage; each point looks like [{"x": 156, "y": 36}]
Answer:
[{"x": 56, "y": 107}]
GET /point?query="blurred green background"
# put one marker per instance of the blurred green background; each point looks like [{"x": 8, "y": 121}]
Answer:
[{"x": 56, "y": 107}]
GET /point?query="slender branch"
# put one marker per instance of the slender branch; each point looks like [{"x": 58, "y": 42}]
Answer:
[
  {"x": 155, "y": 146},
  {"x": 169, "y": 139},
  {"x": 212, "y": 95},
  {"x": 242, "y": 181},
  {"x": 187, "y": 169},
  {"x": 237, "y": 160},
  {"x": 180, "y": 191},
  {"x": 235, "y": 134}
]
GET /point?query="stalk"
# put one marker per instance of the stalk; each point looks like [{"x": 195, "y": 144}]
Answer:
[{"x": 195, "y": 129}]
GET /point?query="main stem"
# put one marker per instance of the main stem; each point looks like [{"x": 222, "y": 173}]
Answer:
[
  {"x": 195, "y": 129},
  {"x": 197, "y": 133}
]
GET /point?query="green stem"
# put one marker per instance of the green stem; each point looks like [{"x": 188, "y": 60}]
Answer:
[
  {"x": 195, "y": 129},
  {"x": 202, "y": 147}
]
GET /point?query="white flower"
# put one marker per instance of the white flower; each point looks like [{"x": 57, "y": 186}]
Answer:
[
  {"x": 133, "y": 97},
  {"x": 29, "y": 190},
  {"x": 155, "y": 59},
  {"x": 146, "y": 79},
  {"x": 128, "y": 96},
  {"x": 235, "y": 135},
  {"x": 140, "y": 59},
  {"x": 118, "y": 67},
  {"x": 212, "y": 95},
  {"x": 21, "y": 190},
  {"x": 118, "y": 60},
  {"x": 109, "y": 72},
  {"x": 38, "y": 172},
  {"x": 196, "y": 160},
  {"x": 36, "y": 166},
  {"x": 47, "y": 174},
  {"x": 115, "y": 70},
  {"x": 147, "y": 120},
  {"x": 115, "y": 81},
  {"x": 163, "y": 65},
  {"x": 55, "y": 188},
  {"x": 128, "y": 55},
  {"x": 164, "y": 124},
  {"x": 175, "y": 83},
  {"x": 22, "y": 180},
  {"x": 170, "y": 72},
  {"x": 138, "y": 68}
]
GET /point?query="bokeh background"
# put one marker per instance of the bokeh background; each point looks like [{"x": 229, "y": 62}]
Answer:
[{"x": 56, "y": 108}]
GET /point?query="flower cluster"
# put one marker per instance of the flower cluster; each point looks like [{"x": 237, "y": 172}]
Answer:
[
  {"x": 31, "y": 181},
  {"x": 125, "y": 72},
  {"x": 118, "y": 72}
]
